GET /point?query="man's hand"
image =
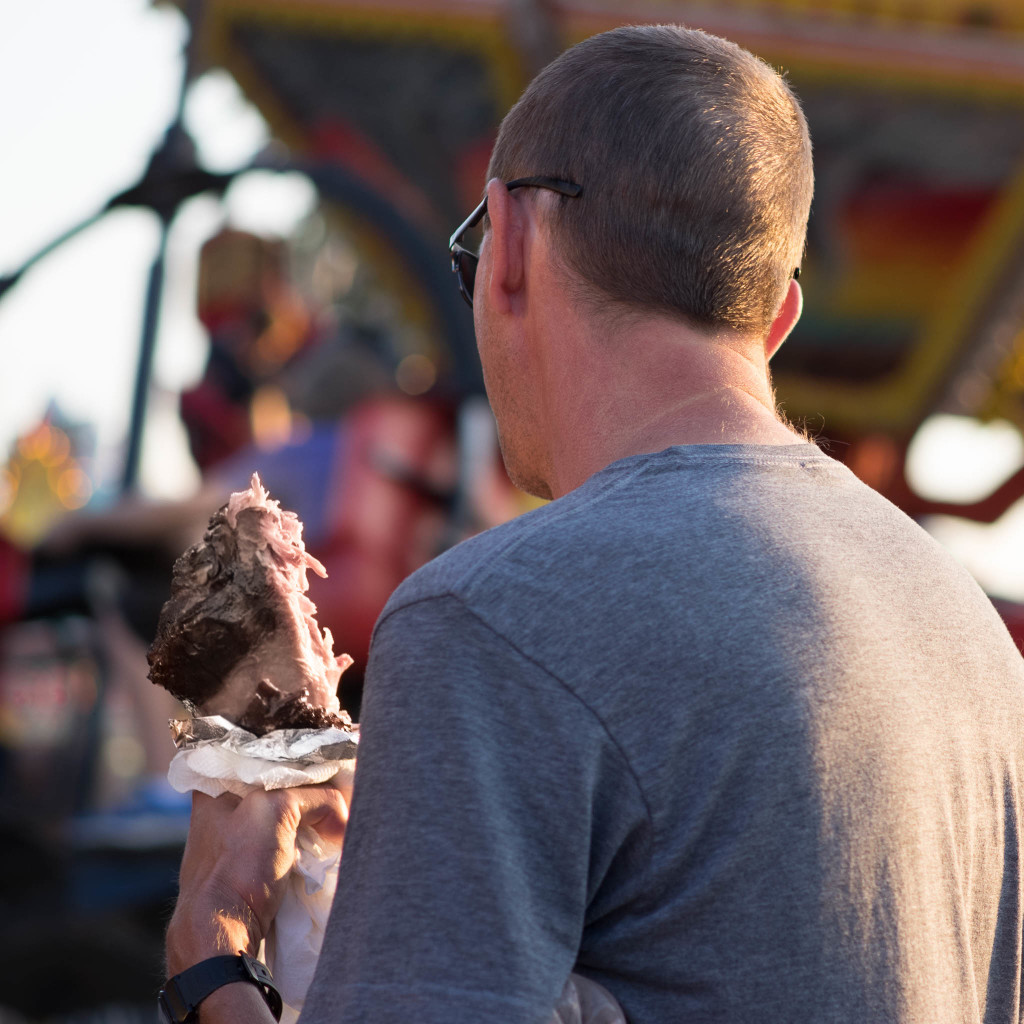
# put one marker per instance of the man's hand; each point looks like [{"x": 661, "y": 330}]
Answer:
[{"x": 236, "y": 863}]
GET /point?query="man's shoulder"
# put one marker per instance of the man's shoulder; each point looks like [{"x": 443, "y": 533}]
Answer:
[
  {"x": 609, "y": 521},
  {"x": 464, "y": 568}
]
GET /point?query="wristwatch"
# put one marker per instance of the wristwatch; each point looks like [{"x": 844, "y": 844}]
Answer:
[{"x": 179, "y": 999}]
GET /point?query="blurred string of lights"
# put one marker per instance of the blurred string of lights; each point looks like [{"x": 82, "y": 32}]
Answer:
[
  {"x": 1007, "y": 396},
  {"x": 45, "y": 687},
  {"x": 52, "y": 679},
  {"x": 44, "y": 478}
]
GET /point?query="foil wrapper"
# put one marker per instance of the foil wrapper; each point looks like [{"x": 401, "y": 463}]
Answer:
[{"x": 215, "y": 756}]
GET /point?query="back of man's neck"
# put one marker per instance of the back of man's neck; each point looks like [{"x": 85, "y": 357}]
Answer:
[
  {"x": 671, "y": 392},
  {"x": 729, "y": 417}
]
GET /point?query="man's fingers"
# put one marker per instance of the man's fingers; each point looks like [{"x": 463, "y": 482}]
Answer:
[
  {"x": 204, "y": 806},
  {"x": 236, "y": 863},
  {"x": 324, "y": 809},
  {"x": 277, "y": 812},
  {"x": 254, "y": 837},
  {"x": 239, "y": 853}
]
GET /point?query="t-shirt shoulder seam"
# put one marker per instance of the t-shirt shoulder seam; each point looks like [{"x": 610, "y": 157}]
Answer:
[
  {"x": 521, "y": 536},
  {"x": 626, "y": 474}
]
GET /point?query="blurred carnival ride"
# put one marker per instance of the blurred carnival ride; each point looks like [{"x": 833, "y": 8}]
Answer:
[
  {"x": 915, "y": 267},
  {"x": 342, "y": 364}
]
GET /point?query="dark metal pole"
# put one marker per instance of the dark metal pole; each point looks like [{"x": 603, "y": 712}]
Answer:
[
  {"x": 176, "y": 152},
  {"x": 144, "y": 369}
]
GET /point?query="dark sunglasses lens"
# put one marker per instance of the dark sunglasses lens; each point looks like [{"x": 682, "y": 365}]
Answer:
[{"x": 464, "y": 265}]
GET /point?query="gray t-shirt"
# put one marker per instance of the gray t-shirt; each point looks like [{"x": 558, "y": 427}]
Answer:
[{"x": 721, "y": 729}]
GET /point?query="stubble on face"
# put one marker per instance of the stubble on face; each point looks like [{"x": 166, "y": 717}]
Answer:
[
  {"x": 518, "y": 472},
  {"x": 508, "y": 392}
]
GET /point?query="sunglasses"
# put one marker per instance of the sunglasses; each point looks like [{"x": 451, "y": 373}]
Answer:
[{"x": 463, "y": 261}]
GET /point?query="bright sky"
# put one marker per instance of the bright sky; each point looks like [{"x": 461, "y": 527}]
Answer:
[
  {"x": 90, "y": 88},
  {"x": 96, "y": 85}
]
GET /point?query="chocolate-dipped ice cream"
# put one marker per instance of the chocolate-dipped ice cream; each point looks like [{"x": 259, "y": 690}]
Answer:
[{"x": 238, "y": 636}]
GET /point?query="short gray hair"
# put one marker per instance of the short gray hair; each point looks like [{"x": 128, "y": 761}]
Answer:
[{"x": 695, "y": 162}]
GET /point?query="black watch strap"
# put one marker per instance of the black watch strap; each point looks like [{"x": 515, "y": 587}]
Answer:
[{"x": 180, "y": 997}]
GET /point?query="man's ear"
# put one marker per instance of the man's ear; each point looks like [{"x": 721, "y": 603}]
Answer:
[
  {"x": 506, "y": 265},
  {"x": 785, "y": 320}
]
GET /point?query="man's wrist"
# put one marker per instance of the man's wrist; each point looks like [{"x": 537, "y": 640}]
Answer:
[
  {"x": 236, "y": 1002},
  {"x": 182, "y": 995},
  {"x": 192, "y": 937}
]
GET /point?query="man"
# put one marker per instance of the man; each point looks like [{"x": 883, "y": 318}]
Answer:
[{"x": 718, "y": 727}]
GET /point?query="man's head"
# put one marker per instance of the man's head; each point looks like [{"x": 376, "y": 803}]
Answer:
[{"x": 695, "y": 162}]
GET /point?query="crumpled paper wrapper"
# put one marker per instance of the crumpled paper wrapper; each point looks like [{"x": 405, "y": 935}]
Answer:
[{"x": 214, "y": 757}]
